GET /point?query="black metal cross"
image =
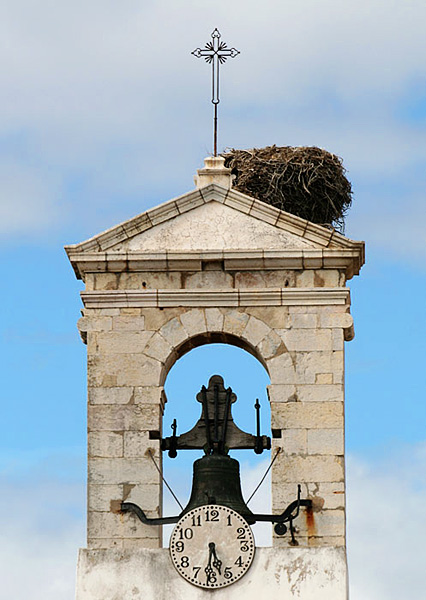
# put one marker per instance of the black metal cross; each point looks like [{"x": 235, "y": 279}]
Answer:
[{"x": 215, "y": 53}]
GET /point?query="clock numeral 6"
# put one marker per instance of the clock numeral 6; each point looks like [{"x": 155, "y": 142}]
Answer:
[{"x": 227, "y": 573}]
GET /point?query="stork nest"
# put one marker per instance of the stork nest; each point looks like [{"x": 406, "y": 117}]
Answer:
[{"x": 306, "y": 181}]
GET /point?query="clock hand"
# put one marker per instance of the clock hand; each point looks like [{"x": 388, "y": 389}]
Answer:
[
  {"x": 216, "y": 562},
  {"x": 209, "y": 569}
]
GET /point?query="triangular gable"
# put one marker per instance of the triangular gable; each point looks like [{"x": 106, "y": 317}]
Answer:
[{"x": 214, "y": 217}]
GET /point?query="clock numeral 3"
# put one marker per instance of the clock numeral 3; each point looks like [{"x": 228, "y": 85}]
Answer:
[{"x": 244, "y": 547}]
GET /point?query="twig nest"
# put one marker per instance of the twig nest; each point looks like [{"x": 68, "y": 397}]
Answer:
[{"x": 308, "y": 182}]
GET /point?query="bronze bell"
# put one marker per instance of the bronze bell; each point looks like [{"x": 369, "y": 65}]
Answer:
[{"x": 216, "y": 480}]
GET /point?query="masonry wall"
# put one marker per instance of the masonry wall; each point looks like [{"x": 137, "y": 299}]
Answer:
[{"x": 131, "y": 349}]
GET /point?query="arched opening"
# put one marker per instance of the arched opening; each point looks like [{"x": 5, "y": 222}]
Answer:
[{"x": 247, "y": 377}]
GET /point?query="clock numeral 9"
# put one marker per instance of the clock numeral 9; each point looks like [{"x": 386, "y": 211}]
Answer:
[
  {"x": 184, "y": 562},
  {"x": 180, "y": 546},
  {"x": 228, "y": 573}
]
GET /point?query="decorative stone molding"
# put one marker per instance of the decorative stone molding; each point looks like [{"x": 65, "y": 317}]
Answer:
[{"x": 215, "y": 298}]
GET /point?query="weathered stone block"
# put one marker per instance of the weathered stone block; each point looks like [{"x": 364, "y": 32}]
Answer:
[
  {"x": 214, "y": 319},
  {"x": 271, "y": 345},
  {"x": 309, "y": 364},
  {"x": 174, "y": 332},
  {"x": 281, "y": 369},
  {"x": 122, "y": 470},
  {"x": 122, "y": 342},
  {"x": 305, "y": 279},
  {"x": 115, "y": 370},
  {"x": 320, "y": 393},
  {"x": 307, "y": 415},
  {"x": 274, "y": 316},
  {"x": 134, "y": 417},
  {"x": 209, "y": 280},
  {"x": 324, "y": 378},
  {"x": 110, "y": 395},
  {"x": 294, "y": 441},
  {"x": 148, "y": 395},
  {"x": 112, "y": 525},
  {"x": 338, "y": 340},
  {"x": 327, "y": 278},
  {"x": 105, "y": 281},
  {"x": 94, "y": 324},
  {"x": 138, "y": 444},
  {"x": 323, "y": 523},
  {"x": 326, "y": 495},
  {"x": 193, "y": 322},
  {"x": 159, "y": 348},
  {"x": 99, "y": 496},
  {"x": 305, "y": 340},
  {"x": 156, "y": 318},
  {"x": 303, "y": 321},
  {"x": 149, "y": 280},
  {"x": 255, "y": 331},
  {"x": 105, "y": 444},
  {"x": 235, "y": 322},
  {"x": 325, "y": 441},
  {"x": 281, "y": 393},
  {"x": 299, "y": 469},
  {"x": 128, "y": 323}
]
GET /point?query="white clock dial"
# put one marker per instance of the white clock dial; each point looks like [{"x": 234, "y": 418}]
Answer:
[{"x": 212, "y": 546}]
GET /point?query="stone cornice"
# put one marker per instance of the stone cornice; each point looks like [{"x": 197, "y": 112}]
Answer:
[
  {"x": 317, "y": 234},
  {"x": 350, "y": 260},
  {"x": 224, "y": 298}
]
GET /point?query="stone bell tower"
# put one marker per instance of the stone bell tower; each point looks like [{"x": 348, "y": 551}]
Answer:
[{"x": 214, "y": 265}]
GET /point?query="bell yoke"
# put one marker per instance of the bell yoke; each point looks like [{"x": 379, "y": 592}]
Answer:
[{"x": 216, "y": 476}]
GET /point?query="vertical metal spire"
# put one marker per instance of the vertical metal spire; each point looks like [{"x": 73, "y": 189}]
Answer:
[{"x": 215, "y": 53}]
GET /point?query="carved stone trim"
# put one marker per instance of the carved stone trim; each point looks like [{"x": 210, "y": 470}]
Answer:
[{"x": 224, "y": 298}]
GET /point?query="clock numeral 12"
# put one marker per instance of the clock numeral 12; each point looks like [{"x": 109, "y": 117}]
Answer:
[{"x": 212, "y": 515}]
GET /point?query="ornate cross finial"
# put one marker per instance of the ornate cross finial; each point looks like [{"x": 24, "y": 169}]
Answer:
[{"x": 215, "y": 53}]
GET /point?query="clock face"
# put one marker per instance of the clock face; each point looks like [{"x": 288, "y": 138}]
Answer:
[{"x": 212, "y": 546}]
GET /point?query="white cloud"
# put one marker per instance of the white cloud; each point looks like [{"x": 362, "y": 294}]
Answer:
[
  {"x": 386, "y": 528},
  {"x": 108, "y": 96}
]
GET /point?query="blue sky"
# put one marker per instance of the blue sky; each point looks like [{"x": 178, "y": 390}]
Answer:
[{"x": 103, "y": 114}]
